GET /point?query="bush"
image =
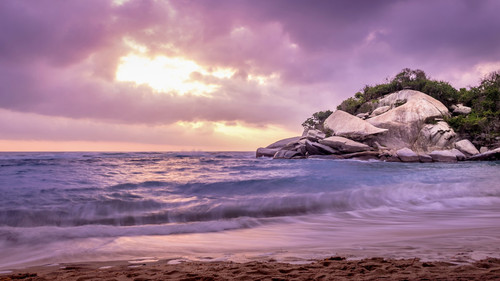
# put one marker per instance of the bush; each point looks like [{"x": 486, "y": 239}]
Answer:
[
  {"x": 317, "y": 120},
  {"x": 415, "y": 80},
  {"x": 351, "y": 105},
  {"x": 485, "y": 103}
]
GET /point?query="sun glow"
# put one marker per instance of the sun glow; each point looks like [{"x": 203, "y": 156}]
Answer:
[
  {"x": 168, "y": 74},
  {"x": 163, "y": 74}
]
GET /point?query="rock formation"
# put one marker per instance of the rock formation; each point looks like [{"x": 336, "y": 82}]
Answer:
[
  {"x": 405, "y": 126},
  {"x": 410, "y": 122}
]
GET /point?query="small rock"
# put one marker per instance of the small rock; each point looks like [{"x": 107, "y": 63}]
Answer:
[
  {"x": 286, "y": 154},
  {"x": 424, "y": 158},
  {"x": 466, "y": 147},
  {"x": 380, "y": 110},
  {"x": 443, "y": 156},
  {"x": 461, "y": 109},
  {"x": 460, "y": 156},
  {"x": 392, "y": 158},
  {"x": 266, "y": 152},
  {"x": 407, "y": 155},
  {"x": 315, "y": 135},
  {"x": 483, "y": 149},
  {"x": 363, "y": 115}
]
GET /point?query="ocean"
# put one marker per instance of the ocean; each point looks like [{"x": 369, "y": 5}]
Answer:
[{"x": 63, "y": 207}]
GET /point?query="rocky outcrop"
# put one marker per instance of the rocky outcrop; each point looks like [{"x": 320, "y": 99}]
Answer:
[
  {"x": 406, "y": 126},
  {"x": 346, "y": 125}
]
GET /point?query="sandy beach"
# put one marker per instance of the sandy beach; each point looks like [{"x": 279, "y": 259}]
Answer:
[{"x": 334, "y": 268}]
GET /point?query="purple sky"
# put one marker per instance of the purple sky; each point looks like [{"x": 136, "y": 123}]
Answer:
[{"x": 59, "y": 88}]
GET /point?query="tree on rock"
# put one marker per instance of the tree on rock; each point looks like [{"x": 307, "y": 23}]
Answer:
[{"x": 317, "y": 120}]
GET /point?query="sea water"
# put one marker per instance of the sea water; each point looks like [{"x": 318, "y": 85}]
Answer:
[{"x": 61, "y": 207}]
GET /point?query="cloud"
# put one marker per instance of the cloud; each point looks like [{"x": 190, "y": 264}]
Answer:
[
  {"x": 182, "y": 135},
  {"x": 288, "y": 59}
]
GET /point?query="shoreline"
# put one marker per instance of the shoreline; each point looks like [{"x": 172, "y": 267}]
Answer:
[{"x": 337, "y": 268}]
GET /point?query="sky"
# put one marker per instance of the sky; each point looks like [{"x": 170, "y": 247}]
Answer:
[{"x": 214, "y": 75}]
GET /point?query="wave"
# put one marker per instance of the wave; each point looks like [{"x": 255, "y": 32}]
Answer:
[
  {"x": 35, "y": 235},
  {"x": 131, "y": 209}
]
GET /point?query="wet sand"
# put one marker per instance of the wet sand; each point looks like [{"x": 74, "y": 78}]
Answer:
[{"x": 334, "y": 268}]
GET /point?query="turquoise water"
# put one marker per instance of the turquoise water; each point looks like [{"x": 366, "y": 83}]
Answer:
[{"x": 59, "y": 207}]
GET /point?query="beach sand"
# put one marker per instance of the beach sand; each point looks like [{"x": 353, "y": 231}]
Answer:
[{"x": 334, "y": 268}]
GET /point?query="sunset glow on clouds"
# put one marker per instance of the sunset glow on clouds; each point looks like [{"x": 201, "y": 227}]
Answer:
[{"x": 216, "y": 75}]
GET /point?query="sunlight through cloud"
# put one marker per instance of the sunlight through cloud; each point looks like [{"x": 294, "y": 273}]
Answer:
[{"x": 163, "y": 74}]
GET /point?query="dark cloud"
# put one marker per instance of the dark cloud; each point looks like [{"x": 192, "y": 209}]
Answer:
[{"x": 62, "y": 32}]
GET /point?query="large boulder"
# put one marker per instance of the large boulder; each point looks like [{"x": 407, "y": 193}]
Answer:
[
  {"x": 410, "y": 112},
  {"x": 282, "y": 143},
  {"x": 407, "y": 155},
  {"x": 344, "y": 145},
  {"x": 466, "y": 147},
  {"x": 346, "y": 125},
  {"x": 437, "y": 136}
]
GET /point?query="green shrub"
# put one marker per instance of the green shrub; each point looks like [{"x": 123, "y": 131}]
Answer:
[
  {"x": 351, "y": 105},
  {"x": 317, "y": 120}
]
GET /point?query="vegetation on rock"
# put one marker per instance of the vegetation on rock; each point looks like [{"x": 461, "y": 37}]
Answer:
[
  {"x": 317, "y": 120},
  {"x": 406, "y": 79}
]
